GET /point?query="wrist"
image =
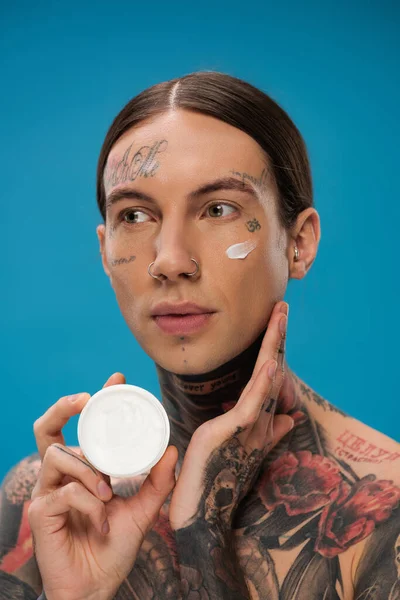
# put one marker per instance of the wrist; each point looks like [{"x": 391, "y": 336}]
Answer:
[
  {"x": 201, "y": 538},
  {"x": 57, "y": 595},
  {"x": 206, "y": 554}
]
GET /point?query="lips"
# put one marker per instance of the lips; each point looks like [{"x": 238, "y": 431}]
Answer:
[
  {"x": 176, "y": 324},
  {"x": 184, "y": 308}
]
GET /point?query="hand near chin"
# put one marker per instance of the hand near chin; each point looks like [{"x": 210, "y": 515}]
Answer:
[{"x": 225, "y": 454}]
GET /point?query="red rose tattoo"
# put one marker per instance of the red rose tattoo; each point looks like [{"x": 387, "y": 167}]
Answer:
[
  {"x": 355, "y": 513},
  {"x": 301, "y": 481}
]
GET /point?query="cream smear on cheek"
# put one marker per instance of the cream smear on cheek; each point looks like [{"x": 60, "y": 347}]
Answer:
[{"x": 240, "y": 250}]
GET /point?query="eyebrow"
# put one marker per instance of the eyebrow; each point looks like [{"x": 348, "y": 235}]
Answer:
[{"x": 223, "y": 184}]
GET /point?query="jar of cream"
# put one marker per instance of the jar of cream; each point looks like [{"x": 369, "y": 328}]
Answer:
[{"x": 123, "y": 430}]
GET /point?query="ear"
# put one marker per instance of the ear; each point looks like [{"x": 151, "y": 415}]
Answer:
[
  {"x": 305, "y": 234},
  {"x": 101, "y": 235}
]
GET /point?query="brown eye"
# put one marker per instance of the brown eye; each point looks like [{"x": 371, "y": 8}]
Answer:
[
  {"x": 217, "y": 210},
  {"x": 131, "y": 217}
]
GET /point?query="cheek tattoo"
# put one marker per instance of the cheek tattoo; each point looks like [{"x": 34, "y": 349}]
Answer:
[
  {"x": 253, "y": 225},
  {"x": 122, "y": 261},
  {"x": 142, "y": 163}
]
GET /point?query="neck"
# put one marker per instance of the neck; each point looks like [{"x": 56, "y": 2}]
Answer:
[{"x": 190, "y": 400}]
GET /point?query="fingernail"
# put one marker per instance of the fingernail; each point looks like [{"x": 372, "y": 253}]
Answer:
[
  {"x": 74, "y": 398},
  {"x": 103, "y": 489},
  {"x": 284, "y": 308},
  {"x": 106, "y": 527},
  {"x": 272, "y": 369},
  {"x": 282, "y": 325}
]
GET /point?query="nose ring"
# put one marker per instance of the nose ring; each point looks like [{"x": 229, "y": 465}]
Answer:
[{"x": 188, "y": 274}]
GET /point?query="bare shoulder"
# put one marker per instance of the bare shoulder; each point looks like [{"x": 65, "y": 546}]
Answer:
[
  {"x": 17, "y": 563},
  {"x": 375, "y": 502},
  {"x": 360, "y": 446},
  {"x": 364, "y": 516}
]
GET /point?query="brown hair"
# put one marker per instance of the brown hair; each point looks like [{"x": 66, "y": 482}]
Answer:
[{"x": 240, "y": 104}]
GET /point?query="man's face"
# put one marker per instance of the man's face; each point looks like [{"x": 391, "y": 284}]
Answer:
[{"x": 165, "y": 161}]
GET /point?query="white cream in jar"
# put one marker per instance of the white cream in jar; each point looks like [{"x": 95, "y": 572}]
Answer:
[{"x": 123, "y": 430}]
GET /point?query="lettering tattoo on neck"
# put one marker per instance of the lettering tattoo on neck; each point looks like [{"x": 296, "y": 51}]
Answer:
[
  {"x": 142, "y": 163},
  {"x": 206, "y": 387},
  {"x": 122, "y": 261}
]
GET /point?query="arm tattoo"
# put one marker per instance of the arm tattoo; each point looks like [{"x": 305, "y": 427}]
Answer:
[
  {"x": 378, "y": 572},
  {"x": 206, "y": 546},
  {"x": 19, "y": 573}
]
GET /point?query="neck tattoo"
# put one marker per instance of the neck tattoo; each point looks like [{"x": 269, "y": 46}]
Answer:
[{"x": 190, "y": 400}]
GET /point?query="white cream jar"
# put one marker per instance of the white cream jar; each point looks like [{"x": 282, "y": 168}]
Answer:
[{"x": 123, "y": 430}]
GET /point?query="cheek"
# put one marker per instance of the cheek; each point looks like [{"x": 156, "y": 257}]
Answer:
[
  {"x": 127, "y": 263},
  {"x": 255, "y": 276}
]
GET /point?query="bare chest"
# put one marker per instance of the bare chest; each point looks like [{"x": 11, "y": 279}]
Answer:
[{"x": 312, "y": 528}]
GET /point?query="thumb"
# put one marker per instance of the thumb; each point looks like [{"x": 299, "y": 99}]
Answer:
[
  {"x": 280, "y": 426},
  {"x": 156, "y": 488}
]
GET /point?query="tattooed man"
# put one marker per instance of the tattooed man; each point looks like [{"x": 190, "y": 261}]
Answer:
[{"x": 205, "y": 191}]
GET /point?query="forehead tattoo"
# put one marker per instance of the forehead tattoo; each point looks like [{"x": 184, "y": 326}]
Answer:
[
  {"x": 259, "y": 183},
  {"x": 143, "y": 162}
]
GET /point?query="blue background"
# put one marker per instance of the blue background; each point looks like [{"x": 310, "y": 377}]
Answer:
[{"x": 68, "y": 68}]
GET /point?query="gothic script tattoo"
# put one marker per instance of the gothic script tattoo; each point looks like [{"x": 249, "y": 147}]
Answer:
[
  {"x": 142, "y": 163},
  {"x": 253, "y": 225},
  {"x": 122, "y": 261}
]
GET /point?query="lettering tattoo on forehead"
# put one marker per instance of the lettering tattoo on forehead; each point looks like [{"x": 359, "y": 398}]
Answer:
[
  {"x": 142, "y": 163},
  {"x": 122, "y": 261},
  {"x": 259, "y": 182}
]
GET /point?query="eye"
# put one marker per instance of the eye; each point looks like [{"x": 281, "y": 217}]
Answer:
[
  {"x": 216, "y": 210},
  {"x": 131, "y": 216}
]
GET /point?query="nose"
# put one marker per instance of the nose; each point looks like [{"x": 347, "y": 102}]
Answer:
[{"x": 173, "y": 260}]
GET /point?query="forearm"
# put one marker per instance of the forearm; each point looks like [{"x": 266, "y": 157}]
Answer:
[
  {"x": 95, "y": 596},
  {"x": 208, "y": 564}
]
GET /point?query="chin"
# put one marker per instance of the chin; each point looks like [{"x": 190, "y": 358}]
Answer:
[
  {"x": 198, "y": 363},
  {"x": 203, "y": 354}
]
